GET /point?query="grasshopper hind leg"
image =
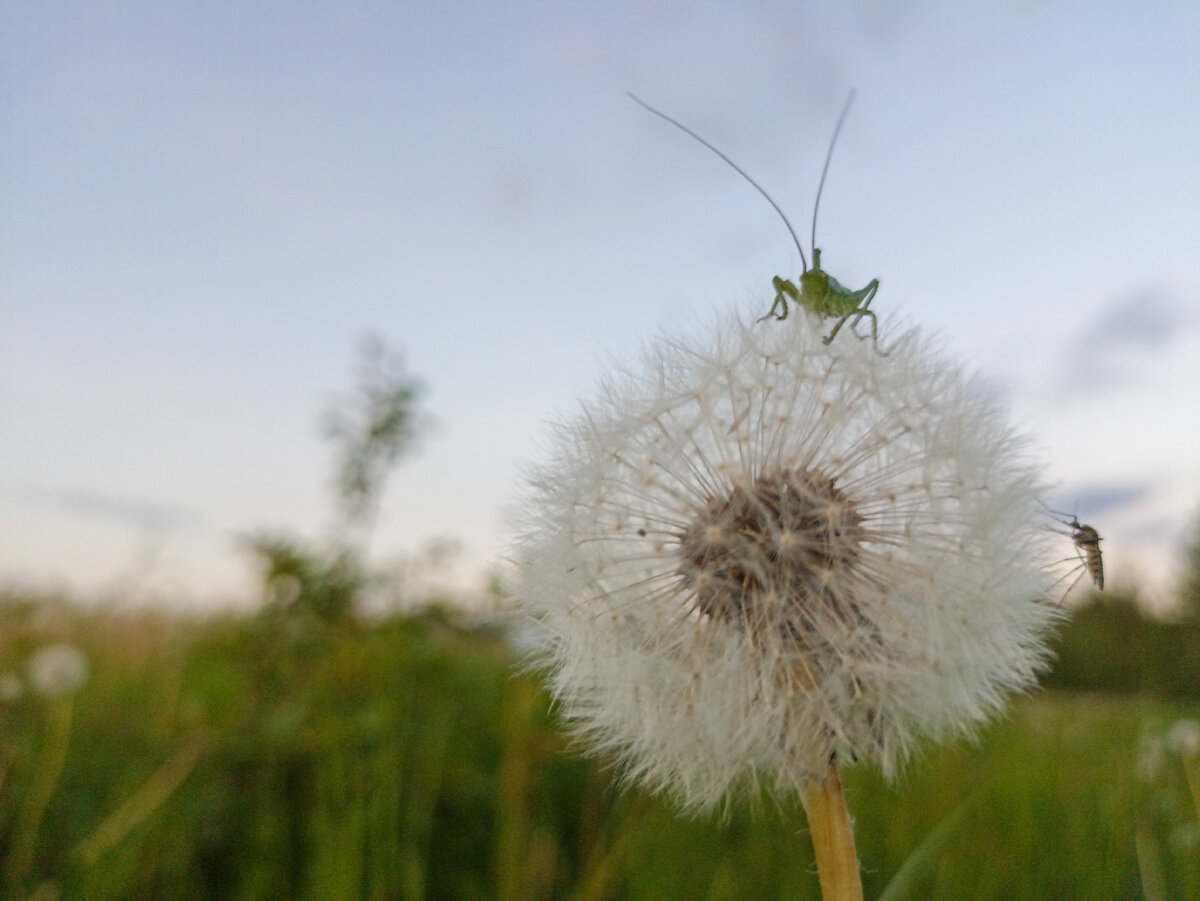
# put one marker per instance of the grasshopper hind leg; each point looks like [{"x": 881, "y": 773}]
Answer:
[{"x": 863, "y": 309}]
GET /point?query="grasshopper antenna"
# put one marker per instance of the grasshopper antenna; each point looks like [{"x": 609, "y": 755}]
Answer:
[
  {"x": 825, "y": 171},
  {"x": 742, "y": 172}
]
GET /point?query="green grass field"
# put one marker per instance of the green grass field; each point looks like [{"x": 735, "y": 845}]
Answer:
[{"x": 273, "y": 757}]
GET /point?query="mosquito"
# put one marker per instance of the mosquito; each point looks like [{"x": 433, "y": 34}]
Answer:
[{"x": 1087, "y": 547}]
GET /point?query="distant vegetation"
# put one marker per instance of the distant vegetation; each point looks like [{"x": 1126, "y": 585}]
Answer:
[
  {"x": 1109, "y": 646},
  {"x": 280, "y": 755}
]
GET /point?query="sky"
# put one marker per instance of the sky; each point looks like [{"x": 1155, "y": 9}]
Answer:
[{"x": 204, "y": 207}]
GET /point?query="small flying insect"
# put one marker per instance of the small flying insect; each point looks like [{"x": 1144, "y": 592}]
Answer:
[
  {"x": 819, "y": 292},
  {"x": 1087, "y": 548}
]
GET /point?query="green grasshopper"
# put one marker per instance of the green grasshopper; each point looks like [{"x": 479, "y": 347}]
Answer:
[{"x": 819, "y": 292}]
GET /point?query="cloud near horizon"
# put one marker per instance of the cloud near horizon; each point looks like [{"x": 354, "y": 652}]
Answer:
[{"x": 125, "y": 511}]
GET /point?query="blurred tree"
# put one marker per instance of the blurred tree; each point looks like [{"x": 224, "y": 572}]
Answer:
[
  {"x": 303, "y": 582},
  {"x": 372, "y": 429}
]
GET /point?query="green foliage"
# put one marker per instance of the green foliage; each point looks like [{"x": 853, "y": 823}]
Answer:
[
  {"x": 1109, "y": 646},
  {"x": 265, "y": 757},
  {"x": 300, "y": 582}
]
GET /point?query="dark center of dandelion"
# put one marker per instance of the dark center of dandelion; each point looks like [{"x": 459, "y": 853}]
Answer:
[{"x": 773, "y": 553}]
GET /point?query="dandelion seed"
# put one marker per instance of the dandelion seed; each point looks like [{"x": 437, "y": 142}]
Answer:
[{"x": 756, "y": 553}]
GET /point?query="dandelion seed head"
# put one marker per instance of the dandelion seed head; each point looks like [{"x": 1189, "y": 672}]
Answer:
[
  {"x": 58, "y": 670},
  {"x": 1183, "y": 738},
  {"x": 752, "y": 551}
]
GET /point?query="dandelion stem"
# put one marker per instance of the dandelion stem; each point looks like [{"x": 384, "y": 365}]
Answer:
[
  {"x": 45, "y": 781},
  {"x": 832, "y": 838},
  {"x": 1191, "y": 766}
]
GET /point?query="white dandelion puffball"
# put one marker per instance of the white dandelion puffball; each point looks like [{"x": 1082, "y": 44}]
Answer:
[
  {"x": 58, "y": 670},
  {"x": 753, "y": 552},
  {"x": 1183, "y": 738}
]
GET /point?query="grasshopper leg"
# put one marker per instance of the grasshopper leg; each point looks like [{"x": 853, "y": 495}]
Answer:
[
  {"x": 864, "y": 299},
  {"x": 871, "y": 289},
  {"x": 828, "y": 339},
  {"x": 861, "y": 300},
  {"x": 783, "y": 290},
  {"x": 874, "y": 331}
]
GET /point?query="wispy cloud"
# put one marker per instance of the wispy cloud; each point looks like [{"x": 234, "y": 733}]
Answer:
[
  {"x": 1158, "y": 531},
  {"x": 127, "y": 511},
  {"x": 1126, "y": 333},
  {"x": 1103, "y": 497}
]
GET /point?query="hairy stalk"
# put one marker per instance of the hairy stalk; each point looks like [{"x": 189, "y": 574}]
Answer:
[{"x": 832, "y": 838}]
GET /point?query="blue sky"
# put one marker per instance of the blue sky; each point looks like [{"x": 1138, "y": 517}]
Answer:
[{"x": 204, "y": 207}]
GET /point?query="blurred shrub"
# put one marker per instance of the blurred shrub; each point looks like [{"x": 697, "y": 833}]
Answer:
[{"x": 1108, "y": 645}]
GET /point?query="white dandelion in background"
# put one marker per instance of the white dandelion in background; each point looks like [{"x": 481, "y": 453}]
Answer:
[
  {"x": 753, "y": 554},
  {"x": 1183, "y": 738},
  {"x": 58, "y": 670}
]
